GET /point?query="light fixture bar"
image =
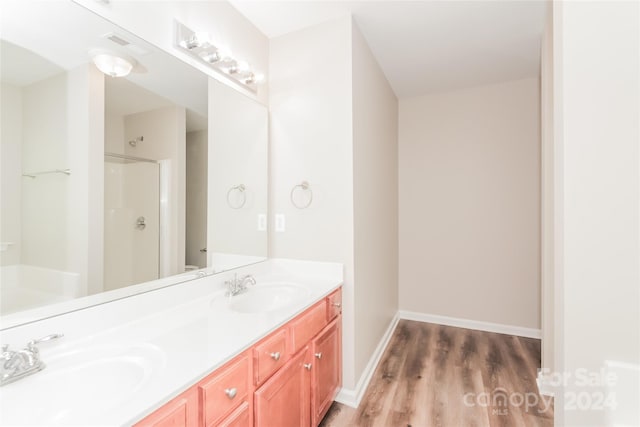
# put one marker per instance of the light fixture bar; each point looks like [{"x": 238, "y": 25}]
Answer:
[{"x": 199, "y": 45}]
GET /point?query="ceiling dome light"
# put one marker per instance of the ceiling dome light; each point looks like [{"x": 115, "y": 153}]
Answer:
[{"x": 113, "y": 65}]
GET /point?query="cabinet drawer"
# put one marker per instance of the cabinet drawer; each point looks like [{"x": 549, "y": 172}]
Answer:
[
  {"x": 179, "y": 412},
  {"x": 241, "y": 417},
  {"x": 334, "y": 304},
  {"x": 269, "y": 356},
  {"x": 307, "y": 325},
  {"x": 224, "y": 390}
]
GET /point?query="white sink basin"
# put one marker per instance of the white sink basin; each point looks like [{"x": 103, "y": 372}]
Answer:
[
  {"x": 60, "y": 393},
  {"x": 264, "y": 297}
]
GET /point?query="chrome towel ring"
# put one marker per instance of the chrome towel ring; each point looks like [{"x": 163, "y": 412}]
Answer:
[
  {"x": 304, "y": 188},
  {"x": 241, "y": 197}
]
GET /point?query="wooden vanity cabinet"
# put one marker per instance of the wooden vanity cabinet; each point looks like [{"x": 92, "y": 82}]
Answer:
[
  {"x": 326, "y": 372},
  {"x": 283, "y": 400},
  {"x": 288, "y": 379},
  {"x": 181, "y": 411},
  {"x": 225, "y": 390}
]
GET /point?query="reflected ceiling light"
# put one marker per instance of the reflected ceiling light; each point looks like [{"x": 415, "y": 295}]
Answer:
[
  {"x": 111, "y": 64},
  {"x": 210, "y": 57},
  {"x": 217, "y": 57},
  {"x": 196, "y": 40}
]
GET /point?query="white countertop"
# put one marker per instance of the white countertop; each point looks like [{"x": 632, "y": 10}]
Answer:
[{"x": 158, "y": 344}]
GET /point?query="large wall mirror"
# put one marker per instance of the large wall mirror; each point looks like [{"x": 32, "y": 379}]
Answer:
[{"x": 112, "y": 186}]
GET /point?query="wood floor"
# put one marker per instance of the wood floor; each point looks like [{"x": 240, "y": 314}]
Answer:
[{"x": 432, "y": 375}]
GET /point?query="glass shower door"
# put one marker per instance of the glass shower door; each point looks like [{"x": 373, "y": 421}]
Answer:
[{"x": 131, "y": 221}]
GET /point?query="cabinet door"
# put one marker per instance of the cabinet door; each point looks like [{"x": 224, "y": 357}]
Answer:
[
  {"x": 179, "y": 412},
  {"x": 284, "y": 401},
  {"x": 326, "y": 376}
]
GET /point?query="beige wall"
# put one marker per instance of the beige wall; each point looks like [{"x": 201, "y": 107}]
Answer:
[
  {"x": 547, "y": 195},
  {"x": 597, "y": 115},
  {"x": 196, "y": 198},
  {"x": 375, "y": 201},
  {"x": 470, "y": 204}
]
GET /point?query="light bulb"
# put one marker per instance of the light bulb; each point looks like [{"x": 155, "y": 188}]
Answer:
[{"x": 112, "y": 65}]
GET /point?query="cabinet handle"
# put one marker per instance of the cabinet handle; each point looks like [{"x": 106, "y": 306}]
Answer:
[
  {"x": 231, "y": 392},
  {"x": 318, "y": 355},
  {"x": 275, "y": 356},
  {"x": 307, "y": 366},
  {"x": 337, "y": 304}
]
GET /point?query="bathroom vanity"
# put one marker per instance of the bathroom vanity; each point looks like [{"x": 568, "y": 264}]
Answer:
[
  {"x": 188, "y": 355},
  {"x": 289, "y": 378}
]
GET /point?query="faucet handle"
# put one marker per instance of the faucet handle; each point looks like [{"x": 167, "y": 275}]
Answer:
[{"x": 32, "y": 344}]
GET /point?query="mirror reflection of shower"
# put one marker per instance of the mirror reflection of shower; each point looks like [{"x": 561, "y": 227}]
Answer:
[
  {"x": 131, "y": 221},
  {"x": 153, "y": 211}
]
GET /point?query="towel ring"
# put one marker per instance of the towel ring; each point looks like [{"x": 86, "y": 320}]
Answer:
[
  {"x": 241, "y": 190},
  {"x": 303, "y": 186}
]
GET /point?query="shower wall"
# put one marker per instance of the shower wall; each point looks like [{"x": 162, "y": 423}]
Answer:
[{"x": 131, "y": 252}]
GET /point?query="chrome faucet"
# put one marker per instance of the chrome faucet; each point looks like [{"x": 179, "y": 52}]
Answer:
[
  {"x": 15, "y": 365},
  {"x": 237, "y": 285}
]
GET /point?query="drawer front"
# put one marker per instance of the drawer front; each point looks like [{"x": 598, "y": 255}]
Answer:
[
  {"x": 308, "y": 325},
  {"x": 269, "y": 356},
  {"x": 334, "y": 304},
  {"x": 241, "y": 417},
  {"x": 224, "y": 390}
]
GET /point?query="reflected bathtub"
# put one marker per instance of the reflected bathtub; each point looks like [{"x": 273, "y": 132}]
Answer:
[{"x": 25, "y": 286}]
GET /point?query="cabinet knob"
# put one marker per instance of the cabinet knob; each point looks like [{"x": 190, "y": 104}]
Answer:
[
  {"x": 318, "y": 355},
  {"x": 231, "y": 392},
  {"x": 307, "y": 366},
  {"x": 337, "y": 304},
  {"x": 275, "y": 355}
]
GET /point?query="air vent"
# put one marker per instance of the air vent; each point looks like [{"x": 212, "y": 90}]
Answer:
[
  {"x": 121, "y": 41},
  {"x": 116, "y": 39}
]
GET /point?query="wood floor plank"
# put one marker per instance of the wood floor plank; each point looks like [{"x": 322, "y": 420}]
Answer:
[{"x": 440, "y": 376}]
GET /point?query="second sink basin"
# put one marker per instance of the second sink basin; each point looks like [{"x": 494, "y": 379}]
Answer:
[
  {"x": 264, "y": 297},
  {"x": 60, "y": 394}
]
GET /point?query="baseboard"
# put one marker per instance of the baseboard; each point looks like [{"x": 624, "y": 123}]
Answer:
[
  {"x": 352, "y": 397},
  {"x": 471, "y": 324}
]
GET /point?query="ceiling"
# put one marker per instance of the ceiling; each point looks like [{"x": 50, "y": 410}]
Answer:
[{"x": 426, "y": 46}]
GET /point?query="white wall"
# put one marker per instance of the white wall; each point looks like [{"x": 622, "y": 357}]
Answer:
[
  {"x": 45, "y": 147},
  {"x": 375, "y": 192},
  {"x": 154, "y": 22},
  {"x": 10, "y": 172},
  {"x": 596, "y": 119},
  {"x": 238, "y": 154},
  {"x": 85, "y": 209},
  {"x": 311, "y": 139},
  {"x": 196, "y": 198},
  {"x": 164, "y": 132},
  {"x": 334, "y": 124},
  {"x": 470, "y": 204}
]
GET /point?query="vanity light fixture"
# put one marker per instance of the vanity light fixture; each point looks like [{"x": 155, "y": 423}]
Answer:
[
  {"x": 111, "y": 64},
  {"x": 200, "y": 46}
]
